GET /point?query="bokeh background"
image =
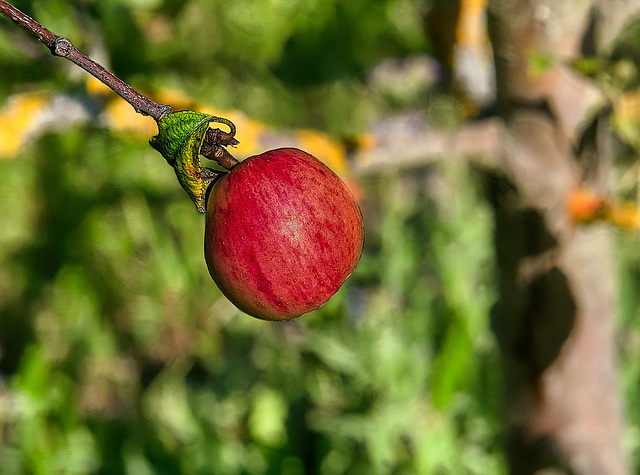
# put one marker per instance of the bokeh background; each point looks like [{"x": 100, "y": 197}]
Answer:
[{"x": 117, "y": 352}]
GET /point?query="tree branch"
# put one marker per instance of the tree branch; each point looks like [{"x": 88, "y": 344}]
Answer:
[
  {"x": 60, "y": 46},
  {"x": 413, "y": 142}
]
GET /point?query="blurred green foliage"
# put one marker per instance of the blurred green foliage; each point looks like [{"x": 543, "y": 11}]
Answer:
[{"x": 119, "y": 355}]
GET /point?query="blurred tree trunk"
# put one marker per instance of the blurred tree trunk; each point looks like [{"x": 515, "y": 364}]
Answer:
[{"x": 555, "y": 317}]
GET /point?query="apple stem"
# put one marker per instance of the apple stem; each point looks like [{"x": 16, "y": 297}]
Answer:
[
  {"x": 60, "y": 46},
  {"x": 215, "y": 141}
]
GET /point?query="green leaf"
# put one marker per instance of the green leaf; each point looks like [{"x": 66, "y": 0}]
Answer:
[
  {"x": 539, "y": 62},
  {"x": 452, "y": 367},
  {"x": 588, "y": 66},
  {"x": 180, "y": 136}
]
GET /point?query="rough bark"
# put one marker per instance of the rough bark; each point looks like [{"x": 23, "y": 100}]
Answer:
[{"x": 555, "y": 317}]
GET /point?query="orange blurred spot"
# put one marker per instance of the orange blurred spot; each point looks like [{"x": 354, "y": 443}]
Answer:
[{"x": 585, "y": 207}]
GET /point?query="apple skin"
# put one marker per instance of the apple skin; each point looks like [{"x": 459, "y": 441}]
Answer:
[{"x": 283, "y": 233}]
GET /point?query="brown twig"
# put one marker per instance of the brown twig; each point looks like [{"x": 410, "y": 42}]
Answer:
[
  {"x": 62, "y": 47},
  {"x": 215, "y": 141}
]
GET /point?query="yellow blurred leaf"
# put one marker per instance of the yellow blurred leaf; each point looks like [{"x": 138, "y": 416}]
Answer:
[
  {"x": 17, "y": 119},
  {"x": 626, "y": 117},
  {"x": 471, "y": 28},
  {"x": 96, "y": 87},
  {"x": 122, "y": 117},
  {"x": 326, "y": 149}
]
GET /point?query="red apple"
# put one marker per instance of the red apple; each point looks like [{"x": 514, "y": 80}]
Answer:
[{"x": 283, "y": 233}]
